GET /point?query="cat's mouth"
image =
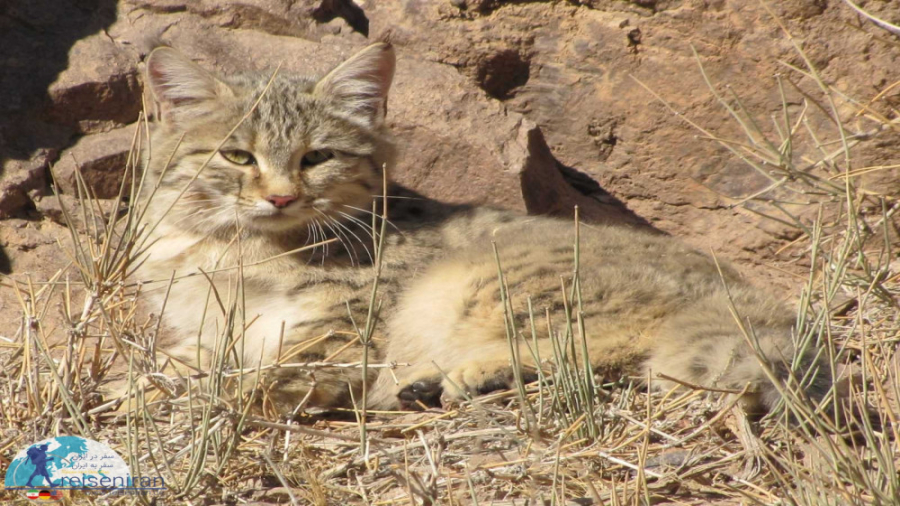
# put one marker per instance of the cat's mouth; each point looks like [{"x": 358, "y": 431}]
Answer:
[
  {"x": 281, "y": 214},
  {"x": 265, "y": 208},
  {"x": 264, "y": 214},
  {"x": 276, "y": 221}
]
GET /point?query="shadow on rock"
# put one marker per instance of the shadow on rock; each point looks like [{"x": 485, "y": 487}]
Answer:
[
  {"x": 36, "y": 37},
  {"x": 551, "y": 188},
  {"x": 5, "y": 264}
]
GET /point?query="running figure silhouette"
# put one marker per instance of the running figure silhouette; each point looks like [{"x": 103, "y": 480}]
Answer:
[{"x": 39, "y": 458}]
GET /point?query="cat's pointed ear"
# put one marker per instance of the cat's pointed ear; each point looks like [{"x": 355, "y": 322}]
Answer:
[
  {"x": 360, "y": 85},
  {"x": 180, "y": 85}
]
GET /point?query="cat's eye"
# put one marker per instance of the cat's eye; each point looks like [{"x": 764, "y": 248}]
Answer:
[
  {"x": 238, "y": 156},
  {"x": 316, "y": 157}
]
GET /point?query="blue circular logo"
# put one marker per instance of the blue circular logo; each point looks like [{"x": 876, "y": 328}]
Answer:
[{"x": 67, "y": 462}]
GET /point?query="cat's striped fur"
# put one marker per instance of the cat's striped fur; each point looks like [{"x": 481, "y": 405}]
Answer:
[{"x": 305, "y": 164}]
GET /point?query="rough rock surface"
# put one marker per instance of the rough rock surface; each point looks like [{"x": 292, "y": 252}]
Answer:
[
  {"x": 52, "y": 84},
  {"x": 22, "y": 179},
  {"x": 99, "y": 94},
  {"x": 62, "y": 208},
  {"x": 577, "y": 72},
  {"x": 535, "y": 106},
  {"x": 101, "y": 159}
]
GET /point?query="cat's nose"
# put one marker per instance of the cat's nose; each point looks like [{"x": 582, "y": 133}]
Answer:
[{"x": 281, "y": 201}]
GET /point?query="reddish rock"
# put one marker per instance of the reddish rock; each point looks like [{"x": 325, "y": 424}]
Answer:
[
  {"x": 576, "y": 69},
  {"x": 30, "y": 252},
  {"x": 57, "y": 207},
  {"x": 101, "y": 159},
  {"x": 99, "y": 90},
  {"x": 307, "y": 19},
  {"x": 548, "y": 190},
  {"x": 22, "y": 180},
  {"x": 534, "y": 106}
]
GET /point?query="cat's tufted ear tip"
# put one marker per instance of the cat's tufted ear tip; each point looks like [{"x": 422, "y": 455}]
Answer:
[
  {"x": 177, "y": 82},
  {"x": 386, "y": 46},
  {"x": 379, "y": 60},
  {"x": 388, "y": 53},
  {"x": 360, "y": 85}
]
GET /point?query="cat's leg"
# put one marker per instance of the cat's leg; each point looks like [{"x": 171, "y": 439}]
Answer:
[
  {"x": 490, "y": 367},
  {"x": 316, "y": 363},
  {"x": 292, "y": 347},
  {"x": 302, "y": 376},
  {"x": 432, "y": 339},
  {"x": 472, "y": 378},
  {"x": 705, "y": 345},
  {"x": 448, "y": 336},
  {"x": 465, "y": 379},
  {"x": 318, "y": 367}
]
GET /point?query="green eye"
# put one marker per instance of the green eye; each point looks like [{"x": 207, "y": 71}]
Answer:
[
  {"x": 238, "y": 156},
  {"x": 316, "y": 157}
]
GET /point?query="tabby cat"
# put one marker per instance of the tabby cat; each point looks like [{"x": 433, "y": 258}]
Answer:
[{"x": 247, "y": 169}]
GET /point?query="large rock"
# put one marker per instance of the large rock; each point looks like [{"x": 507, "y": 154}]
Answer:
[
  {"x": 307, "y": 19},
  {"x": 99, "y": 90},
  {"x": 101, "y": 160},
  {"x": 66, "y": 209},
  {"x": 535, "y": 106},
  {"x": 36, "y": 37},
  {"x": 577, "y": 73},
  {"x": 31, "y": 252}
]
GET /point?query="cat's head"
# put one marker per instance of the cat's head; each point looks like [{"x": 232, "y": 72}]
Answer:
[{"x": 279, "y": 150}]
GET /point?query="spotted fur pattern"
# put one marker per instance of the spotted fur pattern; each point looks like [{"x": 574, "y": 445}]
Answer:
[{"x": 650, "y": 303}]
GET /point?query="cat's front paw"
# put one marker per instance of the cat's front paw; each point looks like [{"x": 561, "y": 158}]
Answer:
[
  {"x": 422, "y": 393},
  {"x": 464, "y": 382}
]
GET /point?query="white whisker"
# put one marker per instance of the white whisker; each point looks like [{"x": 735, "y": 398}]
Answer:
[
  {"x": 324, "y": 237},
  {"x": 315, "y": 239},
  {"x": 397, "y": 197},
  {"x": 389, "y": 222},
  {"x": 341, "y": 237},
  {"x": 363, "y": 243},
  {"x": 366, "y": 227}
]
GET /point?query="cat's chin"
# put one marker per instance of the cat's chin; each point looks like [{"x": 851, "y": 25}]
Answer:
[{"x": 276, "y": 223}]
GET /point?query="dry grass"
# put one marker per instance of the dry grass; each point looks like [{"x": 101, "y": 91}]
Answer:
[{"x": 569, "y": 438}]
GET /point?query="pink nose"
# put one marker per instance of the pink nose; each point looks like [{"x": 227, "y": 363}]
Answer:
[{"x": 280, "y": 201}]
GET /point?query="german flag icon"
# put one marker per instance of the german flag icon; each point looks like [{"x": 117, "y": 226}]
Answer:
[{"x": 44, "y": 495}]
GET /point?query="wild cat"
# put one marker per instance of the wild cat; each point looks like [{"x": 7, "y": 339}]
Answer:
[{"x": 249, "y": 168}]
